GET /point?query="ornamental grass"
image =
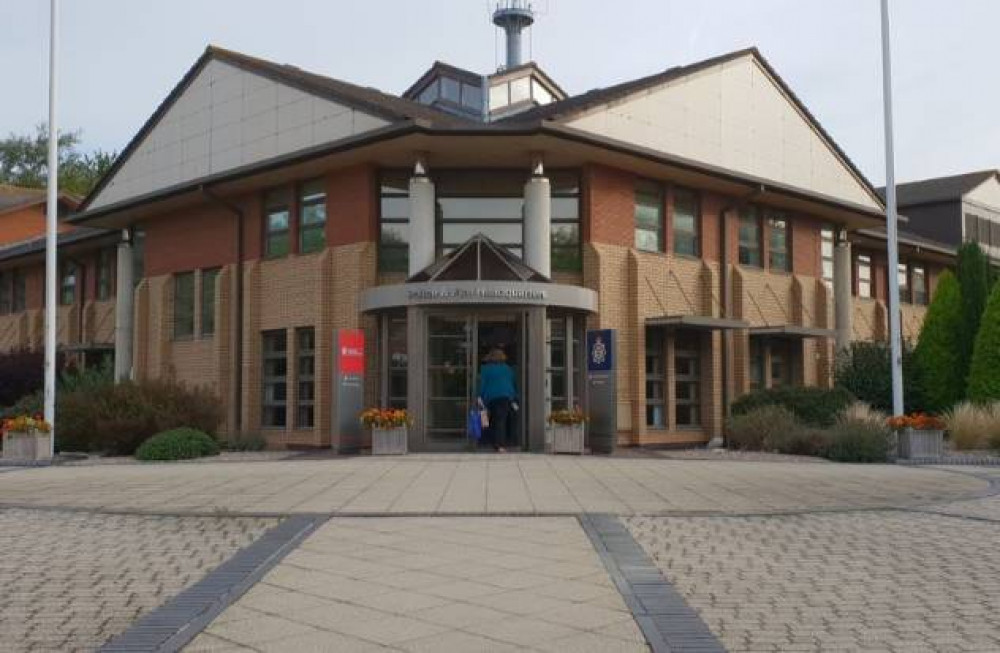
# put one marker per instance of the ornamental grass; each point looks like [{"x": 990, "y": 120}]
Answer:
[{"x": 974, "y": 426}]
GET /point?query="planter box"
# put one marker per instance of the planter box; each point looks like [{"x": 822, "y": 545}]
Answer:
[
  {"x": 920, "y": 444},
  {"x": 389, "y": 442},
  {"x": 27, "y": 445},
  {"x": 567, "y": 438}
]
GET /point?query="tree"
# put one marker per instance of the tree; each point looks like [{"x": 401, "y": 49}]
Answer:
[
  {"x": 984, "y": 373},
  {"x": 24, "y": 162},
  {"x": 864, "y": 370},
  {"x": 974, "y": 280},
  {"x": 937, "y": 358}
]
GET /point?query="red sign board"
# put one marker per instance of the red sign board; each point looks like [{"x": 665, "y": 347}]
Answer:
[{"x": 352, "y": 351}]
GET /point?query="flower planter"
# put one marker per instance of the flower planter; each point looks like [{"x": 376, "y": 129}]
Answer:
[
  {"x": 27, "y": 445},
  {"x": 567, "y": 438},
  {"x": 389, "y": 442},
  {"x": 916, "y": 443}
]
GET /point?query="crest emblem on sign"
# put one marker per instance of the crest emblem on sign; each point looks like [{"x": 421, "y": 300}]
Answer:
[{"x": 599, "y": 352}]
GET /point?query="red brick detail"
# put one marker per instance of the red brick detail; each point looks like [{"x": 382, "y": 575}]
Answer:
[
  {"x": 351, "y": 212},
  {"x": 608, "y": 206},
  {"x": 199, "y": 237},
  {"x": 805, "y": 246}
]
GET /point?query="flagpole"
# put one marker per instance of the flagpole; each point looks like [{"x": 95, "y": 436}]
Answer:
[
  {"x": 51, "y": 226},
  {"x": 895, "y": 340}
]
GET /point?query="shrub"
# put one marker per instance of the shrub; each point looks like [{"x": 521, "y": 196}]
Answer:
[
  {"x": 812, "y": 406},
  {"x": 759, "y": 428},
  {"x": 974, "y": 280},
  {"x": 115, "y": 419},
  {"x": 23, "y": 373},
  {"x": 859, "y": 412},
  {"x": 938, "y": 356},
  {"x": 178, "y": 444},
  {"x": 864, "y": 371},
  {"x": 247, "y": 442},
  {"x": 972, "y": 426},
  {"x": 858, "y": 442},
  {"x": 27, "y": 405},
  {"x": 984, "y": 373}
]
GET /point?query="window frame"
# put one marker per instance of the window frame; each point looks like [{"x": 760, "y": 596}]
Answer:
[
  {"x": 303, "y": 353},
  {"x": 189, "y": 313},
  {"x": 864, "y": 262},
  {"x": 106, "y": 259},
  {"x": 750, "y": 216},
  {"x": 920, "y": 294},
  {"x": 775, "y": 218},
  {"x": 903, "y": 279},
  {"x": 316, "y": 199},
  {"x": 404, "y": 247},
  {"x": 827, "y": 236},
  {"x": 277, "y": 201},
  {"x": 695, "y": 234},
  {"x": 652, "y": 189},
  {"x": 19, "y": 291},
  {"x": 566, "y": 186},
  {"x": 280, "y": 407},
  {"x": 206, "y": 301},
  {"x": 694, "y": 379},
  {"x": 656, "y": 351},
  {"x": 69, "y": 270}
]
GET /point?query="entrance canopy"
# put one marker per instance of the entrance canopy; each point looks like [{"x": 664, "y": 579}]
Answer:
[
  {"x": 479, "y": 272},
  {"x": 703, "y": 322},
  {"x": 793, "y": 331}
]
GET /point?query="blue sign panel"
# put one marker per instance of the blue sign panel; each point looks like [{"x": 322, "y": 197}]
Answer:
[{"x": 600, "y": 350}]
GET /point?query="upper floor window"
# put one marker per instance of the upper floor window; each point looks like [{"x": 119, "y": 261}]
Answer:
[
  {"x": 184, "y": 305},
  {"x": 903, "y": 279},
  {"x": 209, "y": 282},
  {"x": 826, "y": 249},
  {"x": 68, "y": 283},
  {"x": 750, "y": 243},
  {"x": 778, "y": 255},
  {"x": 918, "y": 284},
  {"x": 312, "y": 217},
  {"x": 277, "y": 227},
  {"x": 863, "y": 272},
  {"x": 105, "y": 273},
  {"x": 686, "y": 222},
  {"x": 649, "y": 217},
  {"x": 394, "y": 223},
  {"x": 566, "y": 254},
  {"x": 971, "y": 227}
]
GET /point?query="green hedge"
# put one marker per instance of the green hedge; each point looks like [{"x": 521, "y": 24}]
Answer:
[
  {"x": 984, "y": 374},
  {"x": 178, "y": 444},
  {"x": 811, "y": 406}
]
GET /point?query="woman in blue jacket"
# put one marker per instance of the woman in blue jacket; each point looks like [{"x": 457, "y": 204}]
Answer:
[{"x": 497, "y": 393}]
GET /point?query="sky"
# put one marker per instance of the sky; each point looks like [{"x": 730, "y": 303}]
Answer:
[{"x": 120, "y": 58}]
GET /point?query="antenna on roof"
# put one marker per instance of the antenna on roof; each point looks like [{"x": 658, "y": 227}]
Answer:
[{"x": 513, "y": 16}]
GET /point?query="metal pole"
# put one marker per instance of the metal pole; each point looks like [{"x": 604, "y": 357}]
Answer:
[
  {"x": 51, "y": 218},
  {"x": 895, "y": 340}
]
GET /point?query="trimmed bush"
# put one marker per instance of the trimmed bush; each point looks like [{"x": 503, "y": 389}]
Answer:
[
  {"x": 864, "y": 371},
  {"x": 938, "y": 356},
  {"x": 974, "y": 280},
  {"x": 178, "y": 444},
  {"x": 984, "y": 373},
  {"x": 116, "y": 419},
  {"x": 812, "y": 406},
  {"x": 858, "y": 442},
  {"x": 972, "y": 426},
  {"x": 761, "y": 428}
]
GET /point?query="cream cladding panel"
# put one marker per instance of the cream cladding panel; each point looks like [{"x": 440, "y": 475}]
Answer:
[
  {"x": 225, "y": 119},
  {"x": 735, "y": 116},
  {"x": 986, "y": 194}
]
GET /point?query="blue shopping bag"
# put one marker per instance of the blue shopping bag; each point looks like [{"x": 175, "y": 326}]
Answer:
[{"x": 475, "y": 425}]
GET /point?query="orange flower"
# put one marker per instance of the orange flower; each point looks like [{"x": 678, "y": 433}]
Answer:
[{"x": 916, "y": 421}]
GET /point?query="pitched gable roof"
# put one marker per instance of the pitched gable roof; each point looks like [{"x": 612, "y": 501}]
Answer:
[
  {"x": 939, "y": 189},
  {"x": 13, "y": 198}
]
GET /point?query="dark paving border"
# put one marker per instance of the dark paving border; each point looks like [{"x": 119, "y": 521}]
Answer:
[
  {"x": 174, "y": 624},
  {"x": 667, "y": 621}
]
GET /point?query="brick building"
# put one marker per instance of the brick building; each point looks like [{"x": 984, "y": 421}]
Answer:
[{"x": 702, "y": 213}]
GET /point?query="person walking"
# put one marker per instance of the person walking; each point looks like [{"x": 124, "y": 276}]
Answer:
[{"x": 498, "y": 393}]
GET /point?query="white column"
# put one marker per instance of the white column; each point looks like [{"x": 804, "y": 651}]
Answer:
[
  {"x": 124, "y": 311},
  {"x": 538, "y": 221},
  {"x": 842, "y": 295},
  {"x": 422, "y": 213}
]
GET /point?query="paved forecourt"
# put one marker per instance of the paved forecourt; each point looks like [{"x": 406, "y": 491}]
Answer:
[{"x": 485, "y": 485}]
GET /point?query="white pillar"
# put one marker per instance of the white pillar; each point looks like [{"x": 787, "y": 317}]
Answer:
[
  {"x": 842, "y": 295},
  {"x": 422, "y": 212},
  {"x": 124, "y": 311},
  {"x": 538, "y": 221}
]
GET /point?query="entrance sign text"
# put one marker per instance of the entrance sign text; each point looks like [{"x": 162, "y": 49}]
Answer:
[{"x": 476, "y": 294}]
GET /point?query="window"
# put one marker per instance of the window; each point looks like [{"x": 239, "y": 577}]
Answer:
[
  {"x": 184, "y": 305},
  {"x": 474, "y": 201},
  {"x": 275, "y": 379},
  {"x": 826, "y": 249},
  {"x": 649, "y": 217},
  {"x": 472, "y": 96},
  {"x": 520, "y": 90},
  {"x": 312, "y": 217},
  {"x": 756, "y": 364},
  {"x": 557, "y": 363},
  {"x": 780, "y": 363},
  {"x": 777, "y": 255},
  {"x": 6, "y": 287},
  {"x": 539, "y": 93},
  {"x": 68, "y": 283},
  {"x": 687, "y": 380},
  {"x": 105, "y": 273},
  {"x": 394, "y": 221},
  {"x": 396, "y": 387},
  {"x": 305, "y": 372},
  {"x": 864, "y": 275},
  {"x": 566, "y": 256},
  {"x": 918, "y": 285},
  {"x": 686, "y": 222},
  {"x": 750, "y": 238},
  {"x": 276, "y": 224},
  {"x": 451, "y": 90},
  {"x": 209, "y": 281},
  {"x": 655, "y": 380},
  {"x": 903, "y": 278},
  {"x": 499, "y": 96},
  {"x": 138, "y": 256},
  {"x": 430, "y": 93},
  {"x": 19, "y": 294},
  {"x": 971, "y": 227}
]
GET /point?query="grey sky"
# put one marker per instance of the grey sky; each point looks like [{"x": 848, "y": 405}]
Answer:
[{"x": 121, "y": 57}]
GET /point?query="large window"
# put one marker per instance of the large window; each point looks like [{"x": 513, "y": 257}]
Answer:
[
  {"x": 275, "y": 379},
  {"x": 488, "y": 203},
  {"x": 312, "y": 217},
  {"x": 305, "y": 372},
  {"x": 277, "y": 225},
  {"x": 184, "y": 305},
  {"x": 863, "y": 273},
  {"x": 566, "y": 255},
  {"x": 105, "y": 273},
  {"x": 687, "y": 380},
  {"x": 750, "y": 242},
  {"x": 394, "y": 221},
  {"x": 649, "y": 217},
  {"x": 68, "y": 283},
  {"x": 903, "y": 278},
  {"x": 209, "y": 281},
  {"x": 655, "y": 379},
  {"x": 826, "y": 249},
  {"x": 778, "y": 258},
  {"x": 686, "y": 222},
  {"x": 918, "y": 284}
]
